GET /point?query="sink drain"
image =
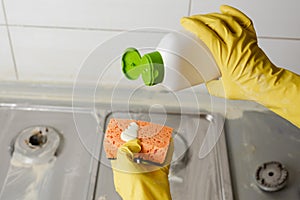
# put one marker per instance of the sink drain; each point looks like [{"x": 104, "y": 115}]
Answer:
[
  {"x": 36, "y": 145},
  {"x": 271, "y": 176}
]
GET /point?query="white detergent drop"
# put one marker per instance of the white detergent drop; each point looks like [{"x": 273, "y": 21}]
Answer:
[{"x": 130, "y": 133}]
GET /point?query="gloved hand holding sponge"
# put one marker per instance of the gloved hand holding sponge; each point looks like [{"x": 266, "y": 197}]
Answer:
[
  {"x": 247, "y": 74},
  {"x": 140, "y": 181},
  {"x": 142, "y": 152}
]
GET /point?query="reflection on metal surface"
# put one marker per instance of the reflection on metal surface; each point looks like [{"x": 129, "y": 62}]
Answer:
[
  {"x": 213, "y": 133},
  {"x": 271, "y": 176},
  {"x": 190, "y": 177},
  {"x": 181, "y": 155}
]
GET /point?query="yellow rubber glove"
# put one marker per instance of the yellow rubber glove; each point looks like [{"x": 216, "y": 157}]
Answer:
[
  {"x": 140, "y": 181},
  {"x": 247, "y": 73}
]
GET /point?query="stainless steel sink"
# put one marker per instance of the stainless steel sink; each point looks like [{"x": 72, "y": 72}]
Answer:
[{"x": 196, "y": 173}]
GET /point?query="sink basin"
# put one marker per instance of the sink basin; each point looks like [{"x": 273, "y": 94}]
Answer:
[{"x": 199, "y": 168}]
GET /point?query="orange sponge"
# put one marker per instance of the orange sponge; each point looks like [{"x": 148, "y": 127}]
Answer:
[{"x": 154, "y": 138}]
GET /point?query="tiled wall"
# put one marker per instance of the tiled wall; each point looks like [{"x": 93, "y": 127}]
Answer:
[{"x": 47, "y": 41}]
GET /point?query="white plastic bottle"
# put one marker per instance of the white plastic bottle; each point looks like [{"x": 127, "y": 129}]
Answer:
[{"x": 187, "y": 61}]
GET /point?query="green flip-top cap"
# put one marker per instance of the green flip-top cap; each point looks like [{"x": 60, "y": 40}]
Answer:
[{"x": 150, "y": 66}]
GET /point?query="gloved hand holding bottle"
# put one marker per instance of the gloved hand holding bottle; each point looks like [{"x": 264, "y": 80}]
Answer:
[{"x": 247, "y": 73}]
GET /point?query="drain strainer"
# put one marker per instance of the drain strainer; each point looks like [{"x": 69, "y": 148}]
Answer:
[
  {"x": 271, "y": 176},
  {"x": 36, "y": 144}
]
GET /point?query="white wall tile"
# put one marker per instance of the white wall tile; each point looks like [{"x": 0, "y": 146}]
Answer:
[
  {"x": 270, "y": 17},
  {"x": 57, "y": 54},
  {"x": 283, "y": 53},
  {"x": 107, "y": 14},
  {"x": 52, "y": 54},
  {"x": 7, "y": 71}
]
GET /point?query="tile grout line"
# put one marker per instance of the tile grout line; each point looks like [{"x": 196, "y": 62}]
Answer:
[
  {"x": 10, "y": 41},
  {"x": 119, "y": 30},
  {"x": 86, "y": 28},
  {"x": 277, "y": 38},
  {"x": 190, "y": 7}
]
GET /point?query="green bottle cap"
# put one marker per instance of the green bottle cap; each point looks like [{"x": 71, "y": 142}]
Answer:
[{"x": 150, "y": 66}]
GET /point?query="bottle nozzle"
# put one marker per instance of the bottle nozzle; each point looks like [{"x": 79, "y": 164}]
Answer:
[{"x": 150, "y": 66}]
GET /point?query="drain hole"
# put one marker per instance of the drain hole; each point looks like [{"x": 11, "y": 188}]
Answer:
[
  {"x": 38, "y": 139},
  {"x": 271, "y": 173}
]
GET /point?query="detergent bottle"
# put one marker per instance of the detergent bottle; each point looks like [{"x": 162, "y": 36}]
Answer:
[{"x": 181, "y": 60}]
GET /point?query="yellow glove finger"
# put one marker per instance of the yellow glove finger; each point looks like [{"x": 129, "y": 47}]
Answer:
[
  {"x": 223, "y": 25},
  {"x": 243, "y": 19},
  {"x": 202, "y": 31},
  {"x": 131, "y": 147},
  {"x": 124, "y": 162}
]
